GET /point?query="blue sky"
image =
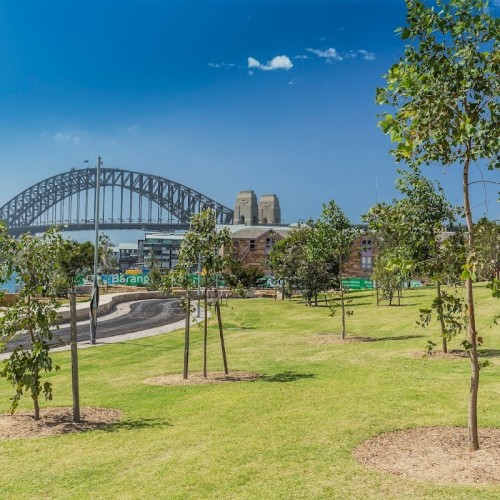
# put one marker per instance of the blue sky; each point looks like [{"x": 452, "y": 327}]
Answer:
[{"x": 275, "y": 96}]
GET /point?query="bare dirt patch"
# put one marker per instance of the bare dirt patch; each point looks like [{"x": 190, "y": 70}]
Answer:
[
  {"x": 336, "y": 338},
  {"x": 55, "y": 421},
  {"x": 436, "y": 454},
  {"x": 199, "y": 379}
]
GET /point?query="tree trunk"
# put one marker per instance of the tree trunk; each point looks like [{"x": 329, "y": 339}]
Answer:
[
  {"x": 205, "y": 336},
  {"x": 473, "y": 439},
  {"x": 377, "y": 294},
  {"x": 316, "y": 300},
  {"x": 441, "y": 319},
  {"x": 74, "y": 358},
  {"x": 36, "y": 405},
  {"x": 186, "y": 338},
  {"x": 34, "y": 393}
]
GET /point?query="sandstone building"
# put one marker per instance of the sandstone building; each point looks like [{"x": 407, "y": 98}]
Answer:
[{"x": 248, "y": 212}]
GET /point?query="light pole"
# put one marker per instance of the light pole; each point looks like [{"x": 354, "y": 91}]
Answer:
[{"x": 95, "y": 287}]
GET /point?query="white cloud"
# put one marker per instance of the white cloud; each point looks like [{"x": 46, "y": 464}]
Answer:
[
  {"x": 367, "y": 56},
  {"x": 253, "y": 63},
  {"x": 68, "y": 137},
  {"x": 223, "y": 65},
  {"x": 278, "y": 62},
  {"x": 133, "y": 129},
  {"x": 301, "y": 57},
  {"x": 330, "y": 54}
]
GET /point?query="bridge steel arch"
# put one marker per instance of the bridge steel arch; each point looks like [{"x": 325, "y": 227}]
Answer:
[{"x": 43, "y": 204}]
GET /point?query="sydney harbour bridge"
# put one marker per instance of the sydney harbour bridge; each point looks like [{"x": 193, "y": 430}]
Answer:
[{"x": 128, "y": 200}]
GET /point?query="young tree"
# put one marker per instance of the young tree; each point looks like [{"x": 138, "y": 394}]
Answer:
[
  {"x": 331, "y": 239},
  {"x": 238, "y": 277},
  {"x": 74, "y": 260},
  {"x": 180, "y": 277},
  {"x": 155, "y": 277},
  {"x": 446, "y": 95},
  {"x": 205, "y": 242},
  {"x": 314, "y": 277},
  {"x": 409, "y": 232},
  {"x": 34, "y": 260},
  {"x": 388, "y": 279},
  {"x": 286, "y": 256}
]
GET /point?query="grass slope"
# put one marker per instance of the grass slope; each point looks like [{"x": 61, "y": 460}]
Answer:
[{"x": 289, "y": 435}]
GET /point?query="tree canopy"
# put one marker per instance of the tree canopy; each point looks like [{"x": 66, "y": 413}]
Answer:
[{"x": 446, "y": 96}]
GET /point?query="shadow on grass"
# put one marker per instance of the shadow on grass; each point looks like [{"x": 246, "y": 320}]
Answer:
[
  {"x": 239, "y": 327},
  {"x": 489, "y": 353},
  {"x": 401, "y": 337},
  {"x": 287, "y": 377},
  {"x": 323, "y": 306},
  {"x": 142, "y": 423}
]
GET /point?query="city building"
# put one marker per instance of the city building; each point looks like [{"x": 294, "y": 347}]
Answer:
[
  {"x": 269, "y": 209},
  {"x": 246, "y": 209},
  {"x": 160, "y": 250},
  {"x": 125, "y": 254},
  {"x": 249, "y": 213},
  {"x": 252, "y": 245}
]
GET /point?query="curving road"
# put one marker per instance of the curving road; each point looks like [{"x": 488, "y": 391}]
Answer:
[{"x": 141, "y": 315}]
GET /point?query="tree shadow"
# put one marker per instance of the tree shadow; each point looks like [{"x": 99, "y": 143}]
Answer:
[
  {"x": 489, "y": 353},
  {"x": 239, "y": 327},
  {"x": 401, "y": 337},
  {"x": 287, "y": 377},
  {"x": 142, "y": 423}
]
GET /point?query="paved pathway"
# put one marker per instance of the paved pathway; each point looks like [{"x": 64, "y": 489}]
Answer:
[{"x": 132, "y": 320}]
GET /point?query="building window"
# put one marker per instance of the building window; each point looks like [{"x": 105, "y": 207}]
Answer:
[
  {"x": 366, "y": 263},
  {"x": 366, "y": 255},
  {"x": 366, "y": 246}
]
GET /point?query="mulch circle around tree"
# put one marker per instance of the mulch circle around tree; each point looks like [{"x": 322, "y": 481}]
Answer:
[
  {"x": 438, "y": 454},
  {"x": 199, "y": 379},
  {"x": 325, "y": 338},
  {"x": 55, "y": 421}
]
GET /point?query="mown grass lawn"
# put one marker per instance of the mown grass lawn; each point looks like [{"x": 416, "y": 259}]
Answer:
[{"x": 289, "y": 435}]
